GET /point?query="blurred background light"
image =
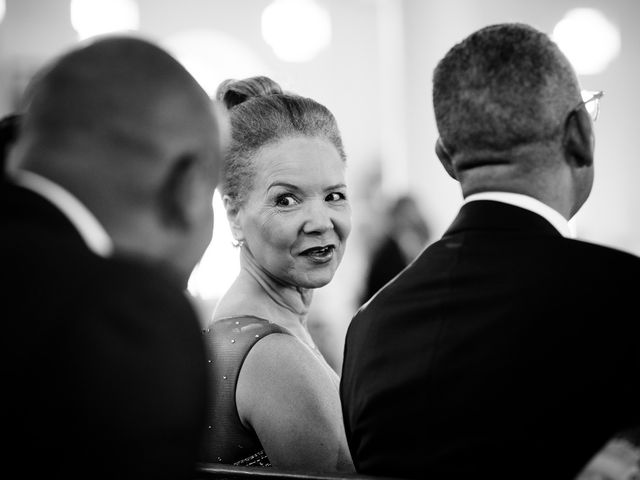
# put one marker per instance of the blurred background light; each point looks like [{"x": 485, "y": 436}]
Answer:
[
  {"x": 588, "y": 39},
  {"x": 296, "y": 30},
  {"x": 220, "y": 264},
  {"x": 96, "y": 17},
  {"x": 2, "y": 9},
  {"x": 212, "y": 56}
]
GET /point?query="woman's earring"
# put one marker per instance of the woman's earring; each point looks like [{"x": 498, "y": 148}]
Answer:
[{"x": 238, "y": 243}]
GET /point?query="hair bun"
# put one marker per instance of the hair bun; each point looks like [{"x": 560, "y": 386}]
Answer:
[{"x": 233, "y": 92}]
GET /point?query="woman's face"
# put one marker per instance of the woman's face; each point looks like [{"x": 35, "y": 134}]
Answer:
[{"x": 296, "y": 219}]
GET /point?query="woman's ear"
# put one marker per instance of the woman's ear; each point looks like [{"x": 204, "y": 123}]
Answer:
[
  {"x": 234, "y": 216},
  {"x": 578, "y": 141},
  {"x": 445, "y": 159}
]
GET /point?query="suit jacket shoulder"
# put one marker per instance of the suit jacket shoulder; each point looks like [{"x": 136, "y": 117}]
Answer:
[{"x": 104, "y": 356}]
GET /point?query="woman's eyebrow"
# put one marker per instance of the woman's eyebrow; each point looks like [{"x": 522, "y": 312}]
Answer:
[{"x": 289, "y": 186}]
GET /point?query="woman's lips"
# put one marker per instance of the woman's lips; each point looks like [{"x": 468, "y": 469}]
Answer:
[{"x": 319, "y": 254}]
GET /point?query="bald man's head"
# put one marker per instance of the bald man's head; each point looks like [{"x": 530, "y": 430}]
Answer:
[
  {"x": 126, "y": 129},
  {"x": 120, "y": 88}
]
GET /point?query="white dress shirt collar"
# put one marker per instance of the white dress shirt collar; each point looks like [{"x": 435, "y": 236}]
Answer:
[
  {"x": 87, "y": 225},
  {"x": 528, "y": 203}
]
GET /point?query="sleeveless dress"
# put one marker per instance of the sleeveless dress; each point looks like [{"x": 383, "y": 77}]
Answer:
[{"x": 228, "y": 342}]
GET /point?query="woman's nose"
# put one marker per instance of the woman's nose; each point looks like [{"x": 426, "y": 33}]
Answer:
[{"x": 317, "y": 217}]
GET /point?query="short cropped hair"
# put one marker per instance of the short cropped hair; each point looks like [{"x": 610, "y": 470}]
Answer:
[{"x": 502, "y": 87}]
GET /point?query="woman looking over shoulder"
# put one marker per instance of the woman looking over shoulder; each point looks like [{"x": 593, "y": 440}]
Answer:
[{"x": 283, "y": 188}]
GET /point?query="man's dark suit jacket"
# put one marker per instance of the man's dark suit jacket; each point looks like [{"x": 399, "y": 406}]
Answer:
[
  {"x": 503, "y": 351},
  {"x": 103, "y": 362}
]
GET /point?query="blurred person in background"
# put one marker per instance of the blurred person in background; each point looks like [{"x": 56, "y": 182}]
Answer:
[
  {"x": 286, "y": 200},
  {"x": 106, "y": 210},
  {"x": 405, "y": 234},
  {"x": 506, "y": 349},
  {"x": 9, "y": 125}
]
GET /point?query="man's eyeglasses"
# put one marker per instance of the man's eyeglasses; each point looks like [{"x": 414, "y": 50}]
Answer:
[{"x": 591, "y": 102}]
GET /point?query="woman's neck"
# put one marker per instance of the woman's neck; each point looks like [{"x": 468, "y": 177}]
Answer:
[{"x": 257, "y": 293}]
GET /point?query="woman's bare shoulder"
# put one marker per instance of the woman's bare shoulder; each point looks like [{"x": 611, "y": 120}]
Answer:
[
  {"x": 286, "y": 394},
  {"x": 281, "y": 358},
  {"x": 281, "y": 370}
]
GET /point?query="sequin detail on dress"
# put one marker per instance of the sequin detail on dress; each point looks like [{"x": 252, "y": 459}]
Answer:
[{"x": 259, "y": 459}]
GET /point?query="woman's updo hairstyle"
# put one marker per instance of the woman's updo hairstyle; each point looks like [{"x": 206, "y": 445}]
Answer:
[{"x": 261, "y": 114}]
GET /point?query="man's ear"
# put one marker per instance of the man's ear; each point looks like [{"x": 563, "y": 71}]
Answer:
[
  {"x": 233, "y": 210},
  {"x": 184, "y": 194},
  {"x": 445, "y": 158},
  {"x": 578, "y": 140}
]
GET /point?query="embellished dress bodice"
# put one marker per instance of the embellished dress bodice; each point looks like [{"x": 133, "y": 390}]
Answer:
[{"x": 226, "y": 439}]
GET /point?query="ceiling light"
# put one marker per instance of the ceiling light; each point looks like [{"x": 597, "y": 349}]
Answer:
[
  {"x": 96, "y": 17},
  {"x": 588, "y": 39},
  {"x": 296, "y": 30}
]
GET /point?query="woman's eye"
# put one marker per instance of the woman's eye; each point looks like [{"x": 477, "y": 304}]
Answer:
[
  {"x": 335, "y": 196},
  {"x": 286, "y": 201}
]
